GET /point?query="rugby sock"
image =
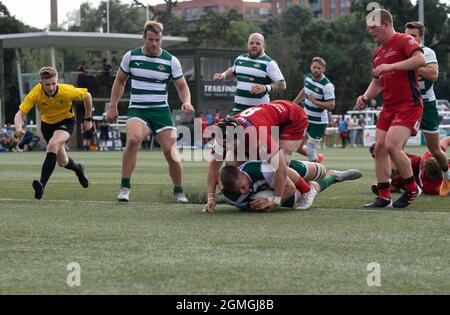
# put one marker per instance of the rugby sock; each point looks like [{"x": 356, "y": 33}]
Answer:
[
  {"x": 410, "y": 184},
  {"x": 73, "y": 166},
  {"x": 48, "y": 167},
  {"x": 302, "y": 185},
  {"x": 311, "y": 152},
  {"x": 384, "y": 190},
  {"x": 177, "y": 190},
  {"x": 327, "y": 181},
  {"x": 125, "y": 183}
]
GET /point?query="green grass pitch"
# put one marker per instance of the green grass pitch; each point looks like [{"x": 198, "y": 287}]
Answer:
[{"x": 153, "y": 246}]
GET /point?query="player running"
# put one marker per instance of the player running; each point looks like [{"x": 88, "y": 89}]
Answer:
[{"x": 54, "y": 102}]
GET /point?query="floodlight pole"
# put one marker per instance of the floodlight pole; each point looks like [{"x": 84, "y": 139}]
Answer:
[
  {"x": 108, "y": 53},
  {"x": 421, "y": 12},
  {"x": 107, "y": 16},
  {"x": 422, "y": 15}
]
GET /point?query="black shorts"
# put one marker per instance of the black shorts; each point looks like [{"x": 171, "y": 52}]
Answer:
[
  {"x": 48, "y": 129},
  {"x": 87, "y": 135},
  {"x": 104, "y": 136}
]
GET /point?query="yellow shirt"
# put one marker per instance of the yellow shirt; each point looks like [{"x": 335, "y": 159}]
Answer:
[{"x": 53, "y": 109}]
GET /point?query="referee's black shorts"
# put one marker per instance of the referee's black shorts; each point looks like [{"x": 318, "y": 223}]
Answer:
[{"x": 48, "y": 129}]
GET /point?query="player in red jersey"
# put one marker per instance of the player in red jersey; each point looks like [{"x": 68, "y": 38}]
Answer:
[
  {"x": 427, "y": 173},
  {"x": 252, "y": 135},
  {"x": 395, "y": 63}
]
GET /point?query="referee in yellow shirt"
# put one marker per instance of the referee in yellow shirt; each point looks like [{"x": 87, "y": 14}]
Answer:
[{"x": 54, "y": 101}]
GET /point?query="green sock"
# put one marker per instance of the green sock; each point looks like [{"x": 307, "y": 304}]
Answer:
[
  {"x": 177, "y": 190},
  {"x": 327, "y": 181},
  {"x": 126, "y": 182}
]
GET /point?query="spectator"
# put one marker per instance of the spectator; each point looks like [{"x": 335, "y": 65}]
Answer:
[
  {"x": 24, "y": 144},
  {"x": 360, "y": 130},
  {"x": 106, "y": 67},
  {"x": 104, "y": 133},
  {"x": 209, "y": 117},
  {"x": 353, "y": 130},
  {"x": 82, "y": 67},
  {"x": 87, "y": 136},
  {"x": 373, "y": 104},
  {"x": 218, "y": 116},
  {"x": 343, "y": 131}
]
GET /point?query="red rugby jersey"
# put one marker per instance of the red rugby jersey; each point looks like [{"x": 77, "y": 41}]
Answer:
[{"x": 399, "y": 88}]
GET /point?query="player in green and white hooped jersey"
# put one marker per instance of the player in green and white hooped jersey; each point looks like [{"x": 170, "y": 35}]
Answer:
[
  {"x": 151, "y": 69},
  {"x": 318, "y": 98},
  {"x": 430, "y": 119},
  {"x": 238, "y": 184},
  {"x": 256, "y": 73}
]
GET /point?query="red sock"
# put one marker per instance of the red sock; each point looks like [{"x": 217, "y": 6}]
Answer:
[
  {"x": 302, "y": 185},
  {"x": 410, "y": 184},
  {"x": 384, "y": 190}
]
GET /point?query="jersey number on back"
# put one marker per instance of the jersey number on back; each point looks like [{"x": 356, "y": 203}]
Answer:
[{"x": 250, "y": 111}]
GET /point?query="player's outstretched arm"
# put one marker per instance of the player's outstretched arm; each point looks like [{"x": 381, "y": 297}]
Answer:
[{"x": 211, "y": 183}]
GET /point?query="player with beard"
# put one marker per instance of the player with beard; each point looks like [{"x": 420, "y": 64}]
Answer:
[
  {"x": 256, "y": 73},
  {"x": 317, "y": 97}
]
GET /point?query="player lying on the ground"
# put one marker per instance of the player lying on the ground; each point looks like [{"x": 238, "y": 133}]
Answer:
[
  {"x": 427, "y": 173},
  {"x": 258, "y": 142},
  {"x": 250, "y": 186}
]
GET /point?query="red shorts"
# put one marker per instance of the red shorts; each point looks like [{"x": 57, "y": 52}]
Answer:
[
  {"x": 296, "y": 130},
  {"x": 407, "y": 116}
]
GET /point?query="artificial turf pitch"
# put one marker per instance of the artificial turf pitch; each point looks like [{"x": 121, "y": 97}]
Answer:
[{"x": 153, "y": 246}]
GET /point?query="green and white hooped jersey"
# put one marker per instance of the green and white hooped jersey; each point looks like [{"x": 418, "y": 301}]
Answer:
[
  {"x": 323, "y": 91},
  {"x": 426, "y": 86},
  {"x": 150, "y": 77},
  {"x": 262, "y": 175},
  {"x": 250, "y": 71}
]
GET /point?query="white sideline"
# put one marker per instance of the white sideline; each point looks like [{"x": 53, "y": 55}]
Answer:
[{"x": 313, "y": 209}]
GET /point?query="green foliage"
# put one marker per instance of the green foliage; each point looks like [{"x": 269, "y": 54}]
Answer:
[
  {"x": 294, "y": 20},
  {"x": 10, "y": 25},
  {"x": 237, "y": 33},
  {"x": 292, "y": 39},
  {"x": 212, "y": 30}
]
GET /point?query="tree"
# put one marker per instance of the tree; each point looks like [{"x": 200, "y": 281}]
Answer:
[
  {"x": 172, "y": 24},
  {"x": 10, "y": 25},
  {"x": 220, "y": 30},
  {"x": 437, "y": 25},
  {"x": 294, "y": 19}
]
